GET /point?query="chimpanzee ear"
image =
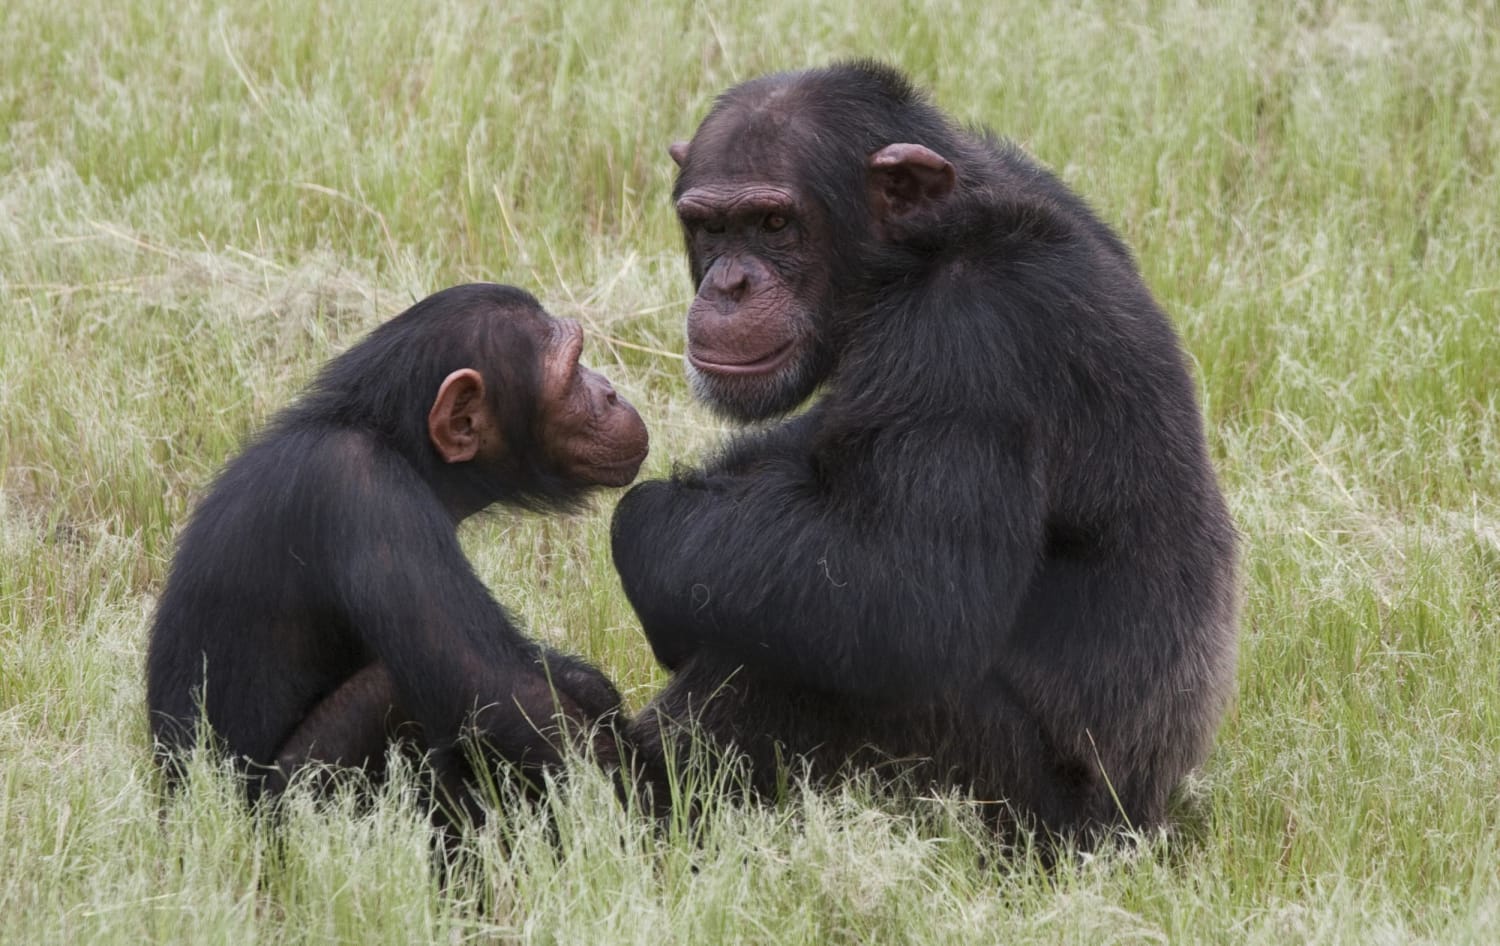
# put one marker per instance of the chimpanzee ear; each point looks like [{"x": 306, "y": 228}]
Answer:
[
  {"x": 678, "y": 151},
  {"x": 904, "y": 177},
  {"x": 459, "y": 423}
]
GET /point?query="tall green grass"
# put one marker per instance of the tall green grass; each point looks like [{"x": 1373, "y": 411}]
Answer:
[{"x": 199, "y": 204}]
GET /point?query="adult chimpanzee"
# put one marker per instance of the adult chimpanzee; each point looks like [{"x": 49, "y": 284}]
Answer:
[
  {"x": 320, "y": 602},
  {"x": 995, "y": 543}
]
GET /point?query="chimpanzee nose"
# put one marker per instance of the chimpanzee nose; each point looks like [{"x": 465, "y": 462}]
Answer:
[{"x": 728, "y": 280}]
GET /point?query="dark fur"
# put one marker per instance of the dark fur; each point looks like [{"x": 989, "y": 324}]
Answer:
[
  {"x": 995, "y": 544},
  {"x": 319, "y": 599}
]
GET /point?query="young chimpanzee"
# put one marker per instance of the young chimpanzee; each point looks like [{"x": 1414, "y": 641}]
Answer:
[
  {"x": 994, "y": 551},
  {"x": 320, "y": 605}
]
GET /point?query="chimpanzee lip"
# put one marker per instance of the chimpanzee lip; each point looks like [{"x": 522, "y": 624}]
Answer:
[
  {"x": 626, "y": 469},
  {"x": 765, "y": 364},
  {"x": 635, "y": 461}
]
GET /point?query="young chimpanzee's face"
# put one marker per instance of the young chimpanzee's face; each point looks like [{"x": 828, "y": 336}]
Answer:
[
  {"x": 589, "y": 432},
  {"x": 581, "y": 431}
]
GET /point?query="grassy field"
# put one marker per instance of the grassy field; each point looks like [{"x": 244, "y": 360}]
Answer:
[{"x": 200, "y": 205}]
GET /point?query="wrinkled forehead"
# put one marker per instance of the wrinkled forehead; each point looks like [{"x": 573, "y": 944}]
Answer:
[
  {"x": 507, "y": 330},
  {"x": 755, "y": 138}
]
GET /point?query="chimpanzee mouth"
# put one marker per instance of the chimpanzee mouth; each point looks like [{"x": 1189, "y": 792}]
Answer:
[
  {"x": 619, "y": 473},
  {"x": 765, "y": 364}
]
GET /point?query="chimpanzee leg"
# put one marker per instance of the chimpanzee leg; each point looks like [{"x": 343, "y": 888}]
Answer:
[{"x": 351, "y": 726}]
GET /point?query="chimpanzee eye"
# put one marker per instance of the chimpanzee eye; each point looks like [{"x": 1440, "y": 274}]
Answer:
[
  {"x": 715, "y": 226},
  {"x": 773, "y": 223}
]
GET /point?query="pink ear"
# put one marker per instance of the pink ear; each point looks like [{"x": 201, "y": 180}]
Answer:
[
  {"x": 905, "y": 176},
  {"x": 458, "y": 416},
  {"x": 678, "y": 150}
]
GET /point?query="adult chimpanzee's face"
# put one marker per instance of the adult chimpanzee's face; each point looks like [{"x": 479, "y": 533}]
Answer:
[
  {"x": 591, "y": 433},
  {"x": 752, "y": 341}
]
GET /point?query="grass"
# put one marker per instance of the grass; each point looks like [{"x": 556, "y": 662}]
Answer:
[{"x": 200, "y": 205}]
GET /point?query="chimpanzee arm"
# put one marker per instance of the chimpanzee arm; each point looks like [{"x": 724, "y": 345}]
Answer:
[
  {"x": 870, "y": 572},
  {"x": 741, "y": 459},
  {"x": 399, "y": 575}
]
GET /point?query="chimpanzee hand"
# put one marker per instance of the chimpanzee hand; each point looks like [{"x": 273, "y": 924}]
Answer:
[{"x": 591, "y": 690}]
